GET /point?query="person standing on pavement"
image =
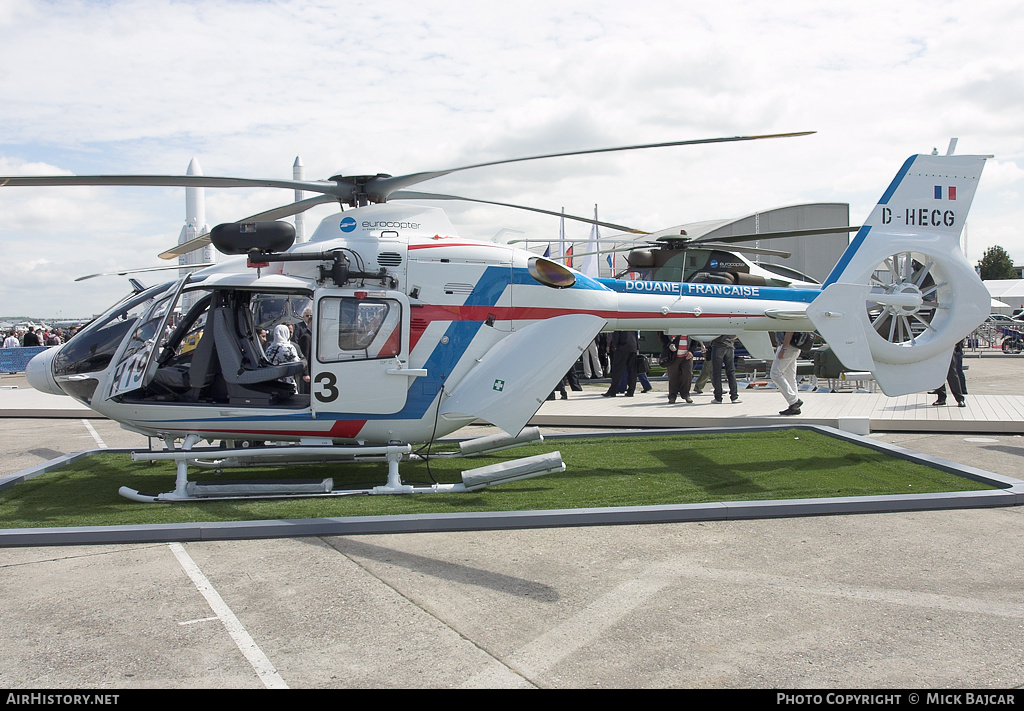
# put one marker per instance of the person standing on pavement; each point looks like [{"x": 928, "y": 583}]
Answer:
[
  {"x": 624, "y": 346},
  {"x": 31, "y": 338},
  {"x": 592, "y": 362},
  {"x": 705, "y": 369},
  {"x": 723, "y": 354},
  {"x": 783, "y": 372},
  {"x": 955, "y": 379},
  {"x": 676, "y": 355}
]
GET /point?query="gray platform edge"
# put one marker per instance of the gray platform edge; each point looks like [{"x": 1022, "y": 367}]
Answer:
[{"x": 1009, "y": 493}]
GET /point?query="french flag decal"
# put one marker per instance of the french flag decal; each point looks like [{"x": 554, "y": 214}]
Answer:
[{"x": 951, "y": 192}]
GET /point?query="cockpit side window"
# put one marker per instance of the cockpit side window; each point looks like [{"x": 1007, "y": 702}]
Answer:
[{"x": 131, "y": 368}]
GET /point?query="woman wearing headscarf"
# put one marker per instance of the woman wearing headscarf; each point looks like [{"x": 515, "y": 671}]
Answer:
[{"x": 282, "y": 350}]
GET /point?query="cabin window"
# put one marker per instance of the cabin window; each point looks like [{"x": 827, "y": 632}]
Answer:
[{"x": 358, "y": 329}]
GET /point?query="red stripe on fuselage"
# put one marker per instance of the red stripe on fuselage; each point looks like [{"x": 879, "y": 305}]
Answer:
[
  {"x": 423, "y": 316},
  {"x": 454, "y": 312},
  {"x": 341, "y": 429}
]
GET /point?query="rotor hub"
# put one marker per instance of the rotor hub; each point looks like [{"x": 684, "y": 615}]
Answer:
[
  {"x": 910, "y": 298},
  {"x": 905, "y": 298}
]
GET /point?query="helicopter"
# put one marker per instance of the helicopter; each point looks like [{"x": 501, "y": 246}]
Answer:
[{"x": 416, "y": 332}]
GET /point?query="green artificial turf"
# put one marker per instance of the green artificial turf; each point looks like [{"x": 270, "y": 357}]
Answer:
[{"x": 600, "y": 472}]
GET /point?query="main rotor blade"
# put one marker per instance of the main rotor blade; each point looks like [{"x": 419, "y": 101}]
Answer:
[
  {"x": 378, "y": 188},
  {"x": 383, "y": 187},
  {"x": 172, "y": 181},
  {"x": 753, "y": 237},
  {"x": 186, "y": 247},
  {"x": 414, "y": 195},
  {"x": 723, "y": 247},
  {"x": 147, "y": 269},
  {"x": 745, "y": 250},
  {"x": 293, "y": 208}
]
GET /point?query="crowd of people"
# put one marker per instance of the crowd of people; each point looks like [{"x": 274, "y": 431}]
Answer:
[
  {"x": 31, "y": 336},
  {"x": 617, "y": 356}
]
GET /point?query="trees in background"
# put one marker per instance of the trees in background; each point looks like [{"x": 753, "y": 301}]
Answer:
[{"x": 996, "y": 264}]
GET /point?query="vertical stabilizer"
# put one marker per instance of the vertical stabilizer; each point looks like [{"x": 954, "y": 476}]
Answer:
[{"x": 903, "y": 293}]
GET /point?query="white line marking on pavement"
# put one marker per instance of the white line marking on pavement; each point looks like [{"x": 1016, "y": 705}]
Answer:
[
  {"x": 95, "y": 434},
  {"x": 196, "y": 622},
  {"x": 264, "y": 669}
]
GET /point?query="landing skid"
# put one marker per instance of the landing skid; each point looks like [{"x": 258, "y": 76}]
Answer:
[{"x": 393, "y": 454}]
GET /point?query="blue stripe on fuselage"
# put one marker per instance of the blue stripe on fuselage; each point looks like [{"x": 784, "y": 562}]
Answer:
[{"x": 585, "y": 282}]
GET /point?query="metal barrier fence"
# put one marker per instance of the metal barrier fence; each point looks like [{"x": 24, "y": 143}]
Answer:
[{"x": 990, "y": 335}]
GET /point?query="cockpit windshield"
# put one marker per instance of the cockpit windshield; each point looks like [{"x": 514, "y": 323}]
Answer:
[{"x": 92, "y": 349}]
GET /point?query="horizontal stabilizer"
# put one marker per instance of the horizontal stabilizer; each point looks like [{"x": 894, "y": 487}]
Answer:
[{"x": 840, "y": 318}]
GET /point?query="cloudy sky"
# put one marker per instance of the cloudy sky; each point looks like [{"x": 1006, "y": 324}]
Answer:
[{"x": 245, "y": 86}]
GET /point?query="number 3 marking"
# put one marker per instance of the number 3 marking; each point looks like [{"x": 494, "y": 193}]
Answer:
[{"x": 330, "y": 384}]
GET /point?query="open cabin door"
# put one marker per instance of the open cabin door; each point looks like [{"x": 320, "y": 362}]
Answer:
[
  {"x": 361, "y": 352},
  {"x": 137, "y": 363}
]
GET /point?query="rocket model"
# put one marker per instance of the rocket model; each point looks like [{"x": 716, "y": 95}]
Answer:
[
  {"x": 297, "y": 174},
  {"x": 195, "y": 225}
]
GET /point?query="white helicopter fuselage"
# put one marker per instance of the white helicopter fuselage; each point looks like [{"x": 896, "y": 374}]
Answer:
[
  {"x": 457, "y": 303},
  {"x": 458, "y": 330}
]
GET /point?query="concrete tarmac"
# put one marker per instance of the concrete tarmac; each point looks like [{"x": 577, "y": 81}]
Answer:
[{"x": 920, "y": 600}]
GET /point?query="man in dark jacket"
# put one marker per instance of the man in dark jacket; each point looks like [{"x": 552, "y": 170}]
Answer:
[
  {"x": 624, "y": 346},
  {"x": 304, "y": 340},
  {"x": 723, "y": 354},
  {"x": 31, "y": 338}
]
